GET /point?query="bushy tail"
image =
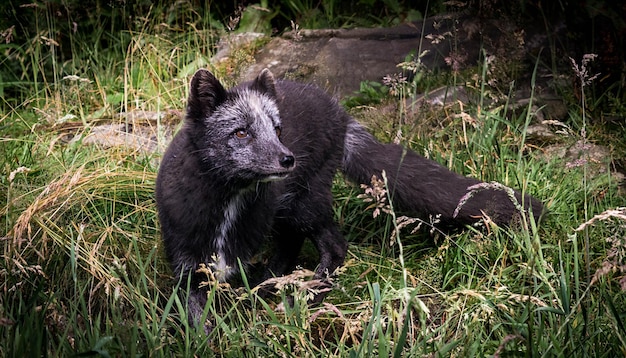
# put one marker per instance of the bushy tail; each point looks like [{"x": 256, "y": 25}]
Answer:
[{"x": 422, "y": 187}]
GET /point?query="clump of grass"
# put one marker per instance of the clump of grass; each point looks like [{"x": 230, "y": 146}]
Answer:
[{"x": 615, "y": 260}]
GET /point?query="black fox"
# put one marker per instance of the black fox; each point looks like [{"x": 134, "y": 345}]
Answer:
[{"x": 257, "y": 161}]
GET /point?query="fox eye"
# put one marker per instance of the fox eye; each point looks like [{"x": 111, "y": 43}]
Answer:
[
  {"x": 278, "y": 131},
  {"x": 241, "y": 133}
]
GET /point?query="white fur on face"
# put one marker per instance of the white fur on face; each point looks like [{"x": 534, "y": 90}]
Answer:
[
  {"x": 260, "y": 151},
  {"x": 249, "y": 109}
]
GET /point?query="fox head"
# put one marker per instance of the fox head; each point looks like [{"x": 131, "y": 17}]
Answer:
[{"x": 237, "y": 131}]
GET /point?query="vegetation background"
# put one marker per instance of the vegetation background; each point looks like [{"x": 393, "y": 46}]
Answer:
[{"x": 82, "y": 271}]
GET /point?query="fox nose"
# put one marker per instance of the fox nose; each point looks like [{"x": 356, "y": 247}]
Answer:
[{"x": 287, "y": 161}]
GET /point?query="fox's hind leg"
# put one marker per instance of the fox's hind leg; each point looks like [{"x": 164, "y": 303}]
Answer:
[
  {"x": 327, "y": 239},
  {"x": 287, "y": 245},
  {"x": 332, "y": 248},
  {"x": 309, "y": 216},
  {"x": 330, "y": 244}
]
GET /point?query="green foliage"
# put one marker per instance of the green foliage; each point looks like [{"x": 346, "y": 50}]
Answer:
[
  {"x": 86, "y": 55},
  {"x": 256, "y": 18},
  {"x": 370, "y": 92},
  {"x": 308, "y": 14}
]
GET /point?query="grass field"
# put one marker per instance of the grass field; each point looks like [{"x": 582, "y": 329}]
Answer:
[{"x": 83, "y": 273}]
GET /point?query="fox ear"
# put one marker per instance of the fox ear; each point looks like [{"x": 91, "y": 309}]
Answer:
[
  {"x": 265, "y": 83},
  {"x": 205, "y": 94}
]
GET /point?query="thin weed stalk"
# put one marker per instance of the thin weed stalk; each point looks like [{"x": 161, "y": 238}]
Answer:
[
  {"x": 529, "y": 116},
  {"x": 585, "y": 78},
  {"x": 397, "y": 231}
]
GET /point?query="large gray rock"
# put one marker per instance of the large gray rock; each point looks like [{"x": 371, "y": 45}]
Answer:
[{"x": 339, "y": 60}]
